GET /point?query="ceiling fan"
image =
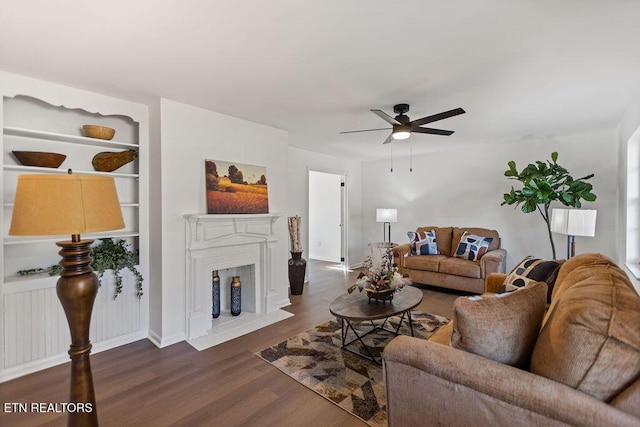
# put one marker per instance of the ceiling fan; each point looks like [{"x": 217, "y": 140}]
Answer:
[{"x": 403, "y": 127}]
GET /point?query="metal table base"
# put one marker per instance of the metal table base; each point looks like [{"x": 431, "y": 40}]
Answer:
[{"x": 369, "y": 355}]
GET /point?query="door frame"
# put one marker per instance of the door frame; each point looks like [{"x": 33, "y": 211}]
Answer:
[{"x": 344, "y": 211}]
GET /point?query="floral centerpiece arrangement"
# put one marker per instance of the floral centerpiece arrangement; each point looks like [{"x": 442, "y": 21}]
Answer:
[{"x": 381, "y": 277}]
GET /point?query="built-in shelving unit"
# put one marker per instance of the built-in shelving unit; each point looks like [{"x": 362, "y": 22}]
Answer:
[{"x": 40, "y": 116}]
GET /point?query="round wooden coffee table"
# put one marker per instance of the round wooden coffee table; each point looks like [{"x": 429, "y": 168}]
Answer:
[{"x": 357, "y": 307}]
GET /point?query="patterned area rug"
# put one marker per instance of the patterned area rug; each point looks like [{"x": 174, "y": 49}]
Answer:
[{"x": 315, "y": 358}]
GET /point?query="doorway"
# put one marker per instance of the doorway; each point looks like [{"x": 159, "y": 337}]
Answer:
[{"x": 327, "y": 217}]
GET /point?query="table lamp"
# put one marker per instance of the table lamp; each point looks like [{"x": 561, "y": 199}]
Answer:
[
  {"x": 386, "y": 216},
  {"x": 573, "y": 222},
  {"x": 47, "y": 205}
]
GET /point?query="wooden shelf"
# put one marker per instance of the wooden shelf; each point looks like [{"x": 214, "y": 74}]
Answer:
[
  {"x": 36, "y": 169},
  {"x": 59, "y": 137},
  {"x": 23, "y": 240}
]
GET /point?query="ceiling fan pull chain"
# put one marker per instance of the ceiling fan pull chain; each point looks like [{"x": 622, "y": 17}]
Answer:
[
  {"x": 392, "y": 158},
  {"x": 411, "y": 155}
]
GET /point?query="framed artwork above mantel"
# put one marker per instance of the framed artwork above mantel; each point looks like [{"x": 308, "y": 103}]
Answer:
[{"x": 235, "y": 188}]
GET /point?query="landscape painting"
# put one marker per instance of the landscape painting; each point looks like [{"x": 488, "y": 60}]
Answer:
[{"x": 235, "y": 188}]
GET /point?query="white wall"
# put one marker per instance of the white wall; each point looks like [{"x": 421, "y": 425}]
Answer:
[
  {"x": 324, "y": 216},
  {"x": 189, "y": 136},
  {"x": 465, "y": 187},
  {"x": 299, "y": 165},
  {"x": 155, "y": 224},
  {"x": 629, "y": 243}
]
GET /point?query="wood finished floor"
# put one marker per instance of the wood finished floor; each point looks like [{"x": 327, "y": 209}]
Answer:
[{"x": 141, "y": 385}]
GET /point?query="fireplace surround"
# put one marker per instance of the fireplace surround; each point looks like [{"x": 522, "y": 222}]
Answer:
[{"x": 234, "y": 245}]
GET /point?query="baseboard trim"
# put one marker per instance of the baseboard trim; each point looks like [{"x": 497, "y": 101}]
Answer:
[{"x": 58, "y": 359}]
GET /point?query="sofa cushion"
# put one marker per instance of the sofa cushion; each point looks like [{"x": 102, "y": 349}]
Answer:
[
  {"x": 472, "y": 247},
  {"x": 424, "y": 262},
  {"x": 443, "y": 335},
  {"x": 590, "y": 339},
  {"x": 423, "y": 242},
  {"x": 590, "y": 259},
  {"x": 460, "y": 267},
  {"x": 443, "y": 238},
  {"x": 532, "y": 269},
  {"x": 500, "y": 327}
]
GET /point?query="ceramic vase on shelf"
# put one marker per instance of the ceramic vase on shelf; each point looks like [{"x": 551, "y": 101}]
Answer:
[
  {"x": 297, "y": 270},
  {"x": 215, "y": 294},
  {"x": 235, "y": 295}
]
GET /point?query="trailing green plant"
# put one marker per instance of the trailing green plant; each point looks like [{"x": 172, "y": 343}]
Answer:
[
  {"x": 109, "y": 254},
  {"x": 544, "y": 183},
  {"x": 114, "y": 255}
]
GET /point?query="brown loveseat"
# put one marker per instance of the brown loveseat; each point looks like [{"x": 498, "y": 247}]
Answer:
[
  {"x": 584, "y": 367},
  {"x": 446, "y": 270}
]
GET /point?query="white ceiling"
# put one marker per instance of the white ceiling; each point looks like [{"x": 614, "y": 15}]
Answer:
[{"x": 520, "y": 68}]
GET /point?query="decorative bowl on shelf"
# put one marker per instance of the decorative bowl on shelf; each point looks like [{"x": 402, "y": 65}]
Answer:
[
  {"x": 39, "y": 158},
  {"x": 108, "y": 161},
  {"x": 100, "y": 132}
]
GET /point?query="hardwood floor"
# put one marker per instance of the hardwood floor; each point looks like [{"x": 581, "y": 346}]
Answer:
[{"x": 227, "y": 385}]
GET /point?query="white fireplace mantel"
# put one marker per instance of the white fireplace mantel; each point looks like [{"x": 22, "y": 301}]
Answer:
[
  {"x": 228, "y": 230},
  {"x": 218, "y": 242}
]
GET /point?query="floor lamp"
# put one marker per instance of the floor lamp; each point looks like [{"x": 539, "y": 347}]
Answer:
[
  {"x": 386, "y": 216},
  {"x": 573, "y": 222},
  {"x": 49, "y": 205}
]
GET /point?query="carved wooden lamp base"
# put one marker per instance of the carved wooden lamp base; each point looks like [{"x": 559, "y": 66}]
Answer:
[{"x": 77, "y": 289}]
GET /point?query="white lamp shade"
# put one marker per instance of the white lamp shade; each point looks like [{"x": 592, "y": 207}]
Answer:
[
  {"x": 559, "y": 220},
  {"x": 574, "y": 222},
  {"x": 386, "y": 215}
]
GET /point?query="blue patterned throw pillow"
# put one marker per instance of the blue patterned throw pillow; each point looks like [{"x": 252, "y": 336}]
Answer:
[
  {"x": 423, "y": 243},
  {"x": 472, "y": 247}
]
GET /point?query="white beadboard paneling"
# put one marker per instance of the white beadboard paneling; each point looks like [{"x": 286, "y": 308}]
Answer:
[{"x": 36, "y": 327}]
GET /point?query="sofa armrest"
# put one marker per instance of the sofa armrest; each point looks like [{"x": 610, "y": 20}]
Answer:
[
  {"x": 494, "y": 261},
  {"x": 400, "y": 252},
  {"x": 421, "y": 378},
  {"x": 493, "y": 282}
]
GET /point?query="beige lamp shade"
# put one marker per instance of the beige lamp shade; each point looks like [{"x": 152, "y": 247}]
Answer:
[{"x": 65, "y": 204}]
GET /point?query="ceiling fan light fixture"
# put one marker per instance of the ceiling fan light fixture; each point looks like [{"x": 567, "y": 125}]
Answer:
[{"x": 400, "y": 132}]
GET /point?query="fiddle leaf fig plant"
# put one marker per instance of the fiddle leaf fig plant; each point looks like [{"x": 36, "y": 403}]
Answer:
[{"x": 544, "y": 183}]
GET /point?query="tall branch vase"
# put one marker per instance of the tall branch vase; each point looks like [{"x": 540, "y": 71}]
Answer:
[
  {"x": 297, "y": 271},
  {"x": 297, "y": 264}
]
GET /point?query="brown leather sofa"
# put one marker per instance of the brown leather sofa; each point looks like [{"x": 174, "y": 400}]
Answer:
[
  {"x": 584, "y": 369},
  {"x": 447, "y": 271}
]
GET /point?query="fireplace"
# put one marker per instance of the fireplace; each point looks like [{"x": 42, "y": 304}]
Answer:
[{"x": 234, "y": 245}]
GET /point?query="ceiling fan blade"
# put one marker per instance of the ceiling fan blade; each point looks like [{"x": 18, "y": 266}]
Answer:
[
  {"x": 364, "y": 130},
  {"x": 384, "y": 116},
  {"x": 389, "y": 139},
  {"x": 432, "y": 131},
  {"x": 436, "y": 117}
]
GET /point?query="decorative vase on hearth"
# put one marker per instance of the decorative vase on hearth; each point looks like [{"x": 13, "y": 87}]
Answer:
[
  {"x": 235, "y": 295},
  {"x": 297, "y": 271}
]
